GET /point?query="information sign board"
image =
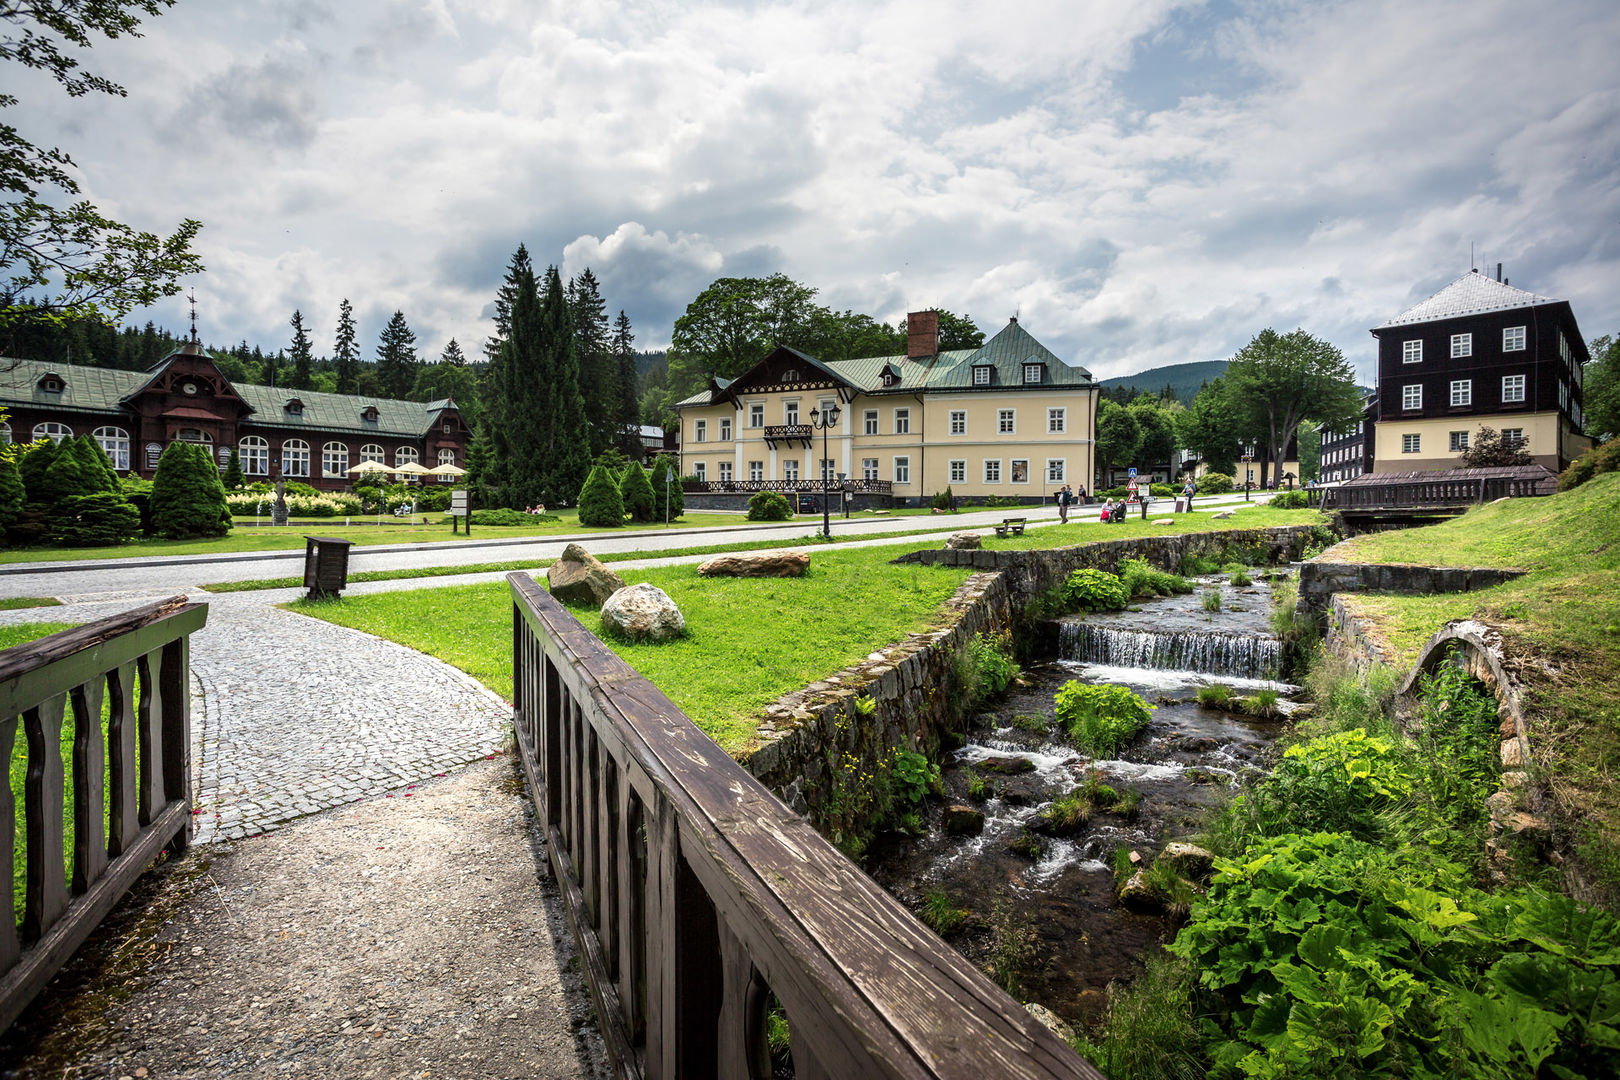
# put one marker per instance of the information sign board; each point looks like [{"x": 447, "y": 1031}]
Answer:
[{"x": 458, "y": 504}]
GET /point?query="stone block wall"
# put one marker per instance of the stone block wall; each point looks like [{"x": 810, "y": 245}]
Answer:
[{"x": 1321, "y": 578}]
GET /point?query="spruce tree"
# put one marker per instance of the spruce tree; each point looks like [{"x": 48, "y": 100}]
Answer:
[
  {"x": 499, "y": 390},
  {"x": 566, "y": 458},
  {"x": 36, "y": 462},
  {"x": 396, "y": 357},
  {"x": 520, "y": 437},
  {"x": 12, "y": 495},
  {"x": 232, "y": 477},
  {"x": 666, "y": 483},
  {"x": 598, "y": 368},
  {"x": 453, "y": 355},
  {"x": 73, "y": 472},
  {"x": 636, "y": 491},
  {"x": 303, "y": 358},
  {"x": 628, "y": 407},
  {"x": 187, "y": 498},
  {"x": 599, "y": 501},
  {"x": 345, "y": 355}
]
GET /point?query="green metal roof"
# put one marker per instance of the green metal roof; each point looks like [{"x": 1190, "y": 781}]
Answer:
[{"x": 103, "y": 390}]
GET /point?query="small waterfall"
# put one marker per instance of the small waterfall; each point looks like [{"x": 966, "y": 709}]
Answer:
[{"x": 1213, "y": 652}]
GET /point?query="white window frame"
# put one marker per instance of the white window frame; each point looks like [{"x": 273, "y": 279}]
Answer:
[
  {"x": 956, "y": 471},
  {"x": 869, "y": 468},
  {"x": 335, "y": 460},
  {"x": 700, "y": 470},
  {"x": 1412, "y": 443},
  {"x": 1012, "y": 470},
  {"x": 756, "y": 414},
  {"x": 700, "y": 431},
  {"x": 1412, "y": 397},
  {"x": 114, "y": 442},
  {"x": 992, "y": 470},
  {"x": 1515, "y": 436},
  {"x": 1512, "y": 389},
  {"x": 1462, "y": 392},
  {"x": 725, "y": 472},
  {"x": 869, "y": 422},
  {"x": 958, "y": 424},
  {"x": 294, "y": 457},
  {"x": 1462, "y": 345},
  {"x": 1056, "y": 467},
  {"x": 447, "y": 456},
  {"x": 1032, "y": 374},
  {"x": 981, "y": 375},
  {"x": 1412, "y": 351},
  {"x": 406, "y": 455},
  {"x": 902, "y": 421},
  {"x": 53, "y": 431},
  {"x": 902, "y": 469},
  {"x": 254, "y": 453},
  {"x": 1512, "y": 339},
  {"x": 1006, "y": 421},
  {"x": 790, "y": 412},
  {"x": 1057, "y": 420},
  {"x": 373, "y": 452},
  {"x": 1459, "y": 441},
  {"x": 725, "y": 429},
  {"x": 790, "y": 465},
  {"x": 756, "y": 472}
]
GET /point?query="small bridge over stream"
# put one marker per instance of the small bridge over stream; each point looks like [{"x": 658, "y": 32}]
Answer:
[{"x": 1387, "y": 500}]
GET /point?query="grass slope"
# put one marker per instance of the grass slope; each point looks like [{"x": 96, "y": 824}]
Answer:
[
  {"x": 749, "y": 640},
  {"x": 1563, "y": 617}
]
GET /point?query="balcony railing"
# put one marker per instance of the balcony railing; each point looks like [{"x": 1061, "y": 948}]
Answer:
[
  {"x": 809, "y": 487},
  {"x": 801, "y": 433}
]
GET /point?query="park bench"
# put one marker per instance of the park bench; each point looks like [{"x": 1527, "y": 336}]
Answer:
[{"x": 1014, "y": 526}]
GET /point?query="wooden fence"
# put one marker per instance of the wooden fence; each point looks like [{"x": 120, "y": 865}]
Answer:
[
  {"x": 697, "y": 897},
  {"x": 1423, "y": 494},
  {"x": 131, "y": 789}
]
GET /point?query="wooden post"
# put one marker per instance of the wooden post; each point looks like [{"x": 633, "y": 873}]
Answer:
[
  {"x": 89, "y": 768},
  {"x": 175, "y": 682},
  {"x": 10, "y": 950},
  {"x": 125, "y": 772},
  {"x": 46, "y": 890},
  {"x": 149, "y": 732}
]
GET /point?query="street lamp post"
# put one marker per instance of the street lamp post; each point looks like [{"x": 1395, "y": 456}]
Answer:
[
  {"x": 825, "y": 419},
  {"x": 1248, "y": 474}
]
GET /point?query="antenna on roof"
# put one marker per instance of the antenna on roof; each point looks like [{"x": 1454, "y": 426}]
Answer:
[
  {"x": 192, "y": 297},
  {"x": 1472, "y": 265}
]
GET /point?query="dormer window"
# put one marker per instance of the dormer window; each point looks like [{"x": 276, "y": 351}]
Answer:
[
  {"x": 981, "y": 375},
  {"x": 295, "y": 407},
  {"x": 889, "y": 378},
  {"x": 51, "y": 383},
  {"x": 1032, "y": 373},
  {"x": 369, "y": 414},
  {"x": 791, "y": 375}
]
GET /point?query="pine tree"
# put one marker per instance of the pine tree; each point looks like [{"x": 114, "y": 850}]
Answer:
[
  {"x": 600, "y": 503},
  {"x": 666, "y": 485},
  {"x": 519, "y": 429},
  {"x": 272, "y": 368},
  {"x": 453, "y": 355},
  {"x": 36, "y": 462},
  {"x": 232, "y": 477},
  {"x": 396, "y": 357},
  {"x": 504, "y": 298},
  {"x": 636, "y": 491},
  {"x": 11, "y": 492},
  {"x": 345, "y": 356},
  {"x": 302, "y": 357},
  {"x": 74, "y": 471},
  {"x": 598, "y": 368},
  {"x": 187, "y": 498},
  {"x": 566, "y": 456},
  {"x": 498, "y": 390},
  {"x": 628, "y": 405}
]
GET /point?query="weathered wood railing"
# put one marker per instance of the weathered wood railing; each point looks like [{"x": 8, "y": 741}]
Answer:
[
  {"x": 131, "y": 788},
  {"x": 1461, "y": 491},
  {"x": 696, "y": 895}
]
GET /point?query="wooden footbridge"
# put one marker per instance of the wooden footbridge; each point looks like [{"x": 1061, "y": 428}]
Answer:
[{"x": 1386, "y": 500}]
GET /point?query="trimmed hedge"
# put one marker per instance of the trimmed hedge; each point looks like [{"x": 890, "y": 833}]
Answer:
[
  {"x": 188, "y": 499},
  {"x": 768, "y": 506},
  {"x": 637, "y": 492},
  {"x": 97, "y": 520},
  {"x": 599, "y": 501}
]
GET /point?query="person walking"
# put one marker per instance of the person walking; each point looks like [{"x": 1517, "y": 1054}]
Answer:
[
  {"x": 1188, "y": 492},
  {"x": 1063, "y": 504}
]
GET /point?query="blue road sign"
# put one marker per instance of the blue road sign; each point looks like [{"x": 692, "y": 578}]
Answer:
[{"x": 1131, "y": 472}]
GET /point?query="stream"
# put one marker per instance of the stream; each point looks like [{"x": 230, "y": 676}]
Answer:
[{"x": 1180, "y": 767}]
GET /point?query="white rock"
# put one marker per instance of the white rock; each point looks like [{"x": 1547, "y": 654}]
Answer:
[{"x": 643, "y": 613}]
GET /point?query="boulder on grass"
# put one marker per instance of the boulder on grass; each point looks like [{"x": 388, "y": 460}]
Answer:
[
  {"x": 1188, "y": 860},
  {"x": 578, "y": 577},
  {"x": 642, "y": 613},
  {"x": 756, "y": 564},
  {"x": 963, "y": 821},
  {"x": 1138, "y": 895},
  {"x": 964, "y": 541}
]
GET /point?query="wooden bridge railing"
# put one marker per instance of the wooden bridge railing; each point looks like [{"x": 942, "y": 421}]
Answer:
[
  {"x": 696, "y": 896},
  {"x": 131, "y": 787},
  {"x": 1460, "y": 491}
]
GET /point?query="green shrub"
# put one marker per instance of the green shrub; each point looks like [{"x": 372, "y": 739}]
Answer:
[
  {"x": 1211, "y": 600},
  {"x": 139, "y": 494},
  {"x": 295, "y": 487},
  {"x": 504, "y": 516},
  {"x": 1456, "y": 743},
  {"x": 1298, "y": 499},
  {"x": 1261, "y": 704},
  {"x": 942, "y": 916},
  {"x": 941, "y": 499},
  {"x": 1094, "y": 590},
  {"x": 1163, "y": 491},
  {"x": 1347, "y": 697},
  {"x": 1101, "y": 719},
  {"x": 599, "y": 501},
  {"x": 1348, "y": 782},
  {"x": 1599, "y": 459},
  {"x": 915, "y": 778},
  {"x": 12, "y": 495},
  {"x": 1141, "y": 579},
  {"x": 1215, "y": 696},
  {"x": 1214, "y": 484},
  {"x": 1198, "y": 564},
  {"x": 188, "y": 501},
  {"x": 1240, "y": 578},
  {"x": 433, "y": 498},
  {"x": 232, "y": 476},
  {"x": 97, "y": 520},
  {"x": 32, "y": 466},
  {"x": 768, "y": 506},
  {"x": 80, "y": 467},
  {"x": 1001, "y": 501},
  {"x": 983, "y": 669},
  {"x": 668, "y": 500},
  {"x": 636, "y": 491}
]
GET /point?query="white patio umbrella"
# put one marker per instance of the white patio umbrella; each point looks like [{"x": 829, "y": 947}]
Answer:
[
  {"x": 447, "y": 470},
  {"x": 365, "y": 468},
  {"x": 410, "y": 468}
]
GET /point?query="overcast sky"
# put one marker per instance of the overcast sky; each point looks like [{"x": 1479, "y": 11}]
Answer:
[{"x": 1143, "y": 182}]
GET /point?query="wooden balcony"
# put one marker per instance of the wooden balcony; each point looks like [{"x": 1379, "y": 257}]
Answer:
[{"x": 803, "y": 434}]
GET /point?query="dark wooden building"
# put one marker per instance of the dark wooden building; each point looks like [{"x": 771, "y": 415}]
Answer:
[
  {"x": 311, "y": 437},
  {"x": 1479, "y": 353},
  {"x": 1349, "y": 453}
]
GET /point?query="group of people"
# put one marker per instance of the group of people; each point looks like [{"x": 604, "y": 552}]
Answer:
[{"x": 1067, "y": 497}]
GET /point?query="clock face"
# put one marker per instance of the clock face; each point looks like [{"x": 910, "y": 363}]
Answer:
[{"x": 189, "y": 388}]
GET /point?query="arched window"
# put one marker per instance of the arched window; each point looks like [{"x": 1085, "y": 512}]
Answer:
[
  {"x": 115, "y": 440},
  {"x": 447, "y": 456},
  {"x": 53, "y": 431},
  {"x": 405, "y": 455},
  {"x": 191, "y": 434},
  {"x": 335, "y": 459},
  {"x": 255, "y": 454},
  {"x": 295, "y": 458},
  {"x": 372, "y": 452}
]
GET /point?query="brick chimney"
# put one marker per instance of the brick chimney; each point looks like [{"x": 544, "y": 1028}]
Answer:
[{"x": 922, "y": 334}]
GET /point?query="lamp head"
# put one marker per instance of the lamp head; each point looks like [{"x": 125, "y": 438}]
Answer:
[{"x": 815, "y": 415}]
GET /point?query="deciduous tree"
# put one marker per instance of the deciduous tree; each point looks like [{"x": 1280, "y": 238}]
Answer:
[
  {"x": 1600, "y": 390},
  {"x": 1279, "y": 380},
  {"x": 1118, "y": 437}
]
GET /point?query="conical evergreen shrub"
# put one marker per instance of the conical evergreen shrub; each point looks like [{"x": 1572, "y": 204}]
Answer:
[
  {"x": 187, "y": 498},
  {"x": 74, "y": 472},
  {"x": 599, "y": 500},
  {"x": 100, "y": 519},
  {"x": 232, "y": 477},
  {"x": 36, "y": 461},
  {"x": 662, "y": 472},
  {"x": 11, "y": 492},
  {"x": 636, "y": 491}
]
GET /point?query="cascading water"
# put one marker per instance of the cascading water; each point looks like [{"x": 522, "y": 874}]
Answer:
[{"x": 1214, "y": 652}]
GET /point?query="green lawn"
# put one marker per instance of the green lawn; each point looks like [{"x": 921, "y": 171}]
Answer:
[
  {"x": 749, "y": 640},
  {"x": 1563, "y": 617},
  {"x": 16, "y": 602},
  {"x": 1083, "y": 527},
  {"x": 247, "y": 537}
]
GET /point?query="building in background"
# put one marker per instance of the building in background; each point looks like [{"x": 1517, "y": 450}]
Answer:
[
  {"x": 1348, "y": 454},
  {"x": 1479, "y": 353}
]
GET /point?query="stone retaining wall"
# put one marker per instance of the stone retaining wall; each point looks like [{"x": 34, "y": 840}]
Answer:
[
  {"x": 815, "y": 742},
  {"x": 1321, "y": 578},
  {"x": 1351, "y": 636}
]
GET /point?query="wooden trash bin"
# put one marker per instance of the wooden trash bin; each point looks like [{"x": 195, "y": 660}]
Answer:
[{"x": 326, "y": 566}]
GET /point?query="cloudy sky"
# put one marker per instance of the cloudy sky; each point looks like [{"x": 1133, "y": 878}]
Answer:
[{"x": 1143, "y": 183}]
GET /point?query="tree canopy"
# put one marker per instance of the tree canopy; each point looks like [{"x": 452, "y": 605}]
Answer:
[
  {"x": 1278, "y": 380},
  {"x": 1600, "y": 390}
]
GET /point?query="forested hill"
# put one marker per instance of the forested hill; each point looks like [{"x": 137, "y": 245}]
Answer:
[{"x": 1183, "y": 379}]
